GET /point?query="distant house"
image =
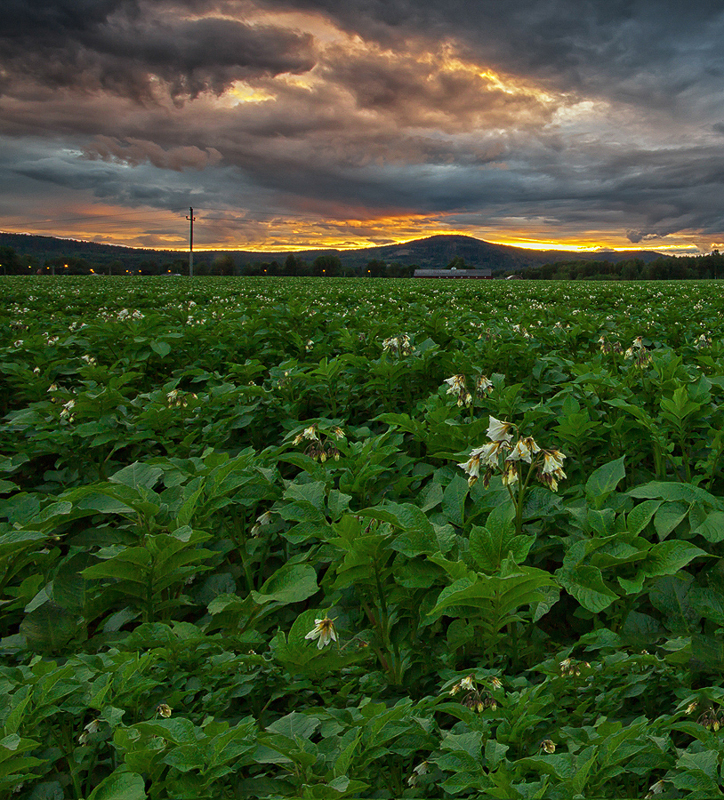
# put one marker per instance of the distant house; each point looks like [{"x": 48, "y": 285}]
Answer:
[{"x": 453, "y": 273}]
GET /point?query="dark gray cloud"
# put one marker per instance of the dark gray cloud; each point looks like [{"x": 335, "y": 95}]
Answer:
[
  {"x": 126, "y": 47},
  {"x": 645, "y": 51}
]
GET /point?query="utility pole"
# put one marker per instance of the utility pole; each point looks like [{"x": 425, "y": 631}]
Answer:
[{"x": 191, "y": 219}]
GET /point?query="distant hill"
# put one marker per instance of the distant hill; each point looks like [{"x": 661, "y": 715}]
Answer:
[{"x": 433, "y": 251}]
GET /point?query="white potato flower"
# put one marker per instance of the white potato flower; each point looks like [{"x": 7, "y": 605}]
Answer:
[
  {"x": 498, "y": 430},
  {"x": 324, "y": 631}
]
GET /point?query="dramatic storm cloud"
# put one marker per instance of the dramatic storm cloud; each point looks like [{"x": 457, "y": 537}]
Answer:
[{"x": 314, "y": 122}]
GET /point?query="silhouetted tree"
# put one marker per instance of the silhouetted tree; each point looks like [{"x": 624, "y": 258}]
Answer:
[
  {"x": 223, "y": 265},
  {"x": 327, "y": 265}
]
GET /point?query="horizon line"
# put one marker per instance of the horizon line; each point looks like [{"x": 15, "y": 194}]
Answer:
[{"x": 540, "y": 247}]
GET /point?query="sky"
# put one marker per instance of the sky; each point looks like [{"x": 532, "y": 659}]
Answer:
[{"x": 568, "y": 124}]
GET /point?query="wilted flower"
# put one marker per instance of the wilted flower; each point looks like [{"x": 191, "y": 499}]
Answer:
[
  {"x": 337, "y": 432},
  {"x": 552, "y": 470},
  {"x": 553, "y": 461},
  {"x": 483, "y": 386},
  {"x": 65, "y": 412},
  {"x": 710, "y": 720},
  {"x": 496, "y": 683},
  {"x": 91, "y": 728},
  {"x": 656, "y": 788},
  {"x": 164, "y": 711},
  {"x": 261, "y": 520},
  {"x": 691, "y": 707},
  {"x": 324, "y": 631},
  {"x": 510, "y": 474},
  {"x": 420, "y": 769},
  {"x": 548, "y": 746},
  {"x": 467, "y": 683}
]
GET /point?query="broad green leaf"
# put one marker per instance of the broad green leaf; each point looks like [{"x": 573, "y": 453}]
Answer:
[
  {"x": 306, "y": 502},
  {"x": 641, "y": 630},
  {"x": 668, "y": 516},
  {"x": 712, "y": 528},
  {"x": 585, "y": 583},
  {"x": 295, "y": 724},
  {"x": 667, "y": 558},
  {"x": 137, "y": 476},
  {"x": 120, "y": 786},
  {"x": 50, "y": 627},
  {"x": 641, "y": 515},
  {"x": 292, "y": 583},
  {"x": 670, "y": 595},
  {"x": 160, "y": 347},
  {"x": 417, "y": 534},
  {"x": 453, "y": 500},
  {"x": 604, "y": 481},
  {"x": 490, "y": 548},
  {"x": 498, "y": 594},
  {"x": 673, "y": 492}
]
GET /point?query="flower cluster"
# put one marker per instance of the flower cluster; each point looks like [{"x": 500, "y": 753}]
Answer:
[
  {"x": 125, "y": 314},
  {"x": 177, "y": 399},
  {"x": 476, "y": 698},
  {"x": 638, "y": 353},
  {"x": 711, "y": 720},
  {"x": 324, "y": 631},
  {"x": 66, "y": 411},
  {"x": 397, "y": 345},
  {"x": 321, "y": 445},
  {"x": 609, "y": 347},
  {"x": 501, "y": 454},
  {"x": 458, "y": 387},
  {"x": 570, "y": 668},
  {"x": 702, "y": 342}
]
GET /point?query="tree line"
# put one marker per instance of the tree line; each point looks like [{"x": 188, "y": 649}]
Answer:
[
  {"x": 709, "y": 266},
  {"x": 664, "y": 268},
  {"x": 11, "y": 263}
]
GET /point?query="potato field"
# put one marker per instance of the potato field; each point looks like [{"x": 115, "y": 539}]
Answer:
[{"x": 328, "y": 538}]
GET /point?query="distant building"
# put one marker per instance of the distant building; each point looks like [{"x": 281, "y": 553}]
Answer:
[{"x": 453, "y": 273}]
